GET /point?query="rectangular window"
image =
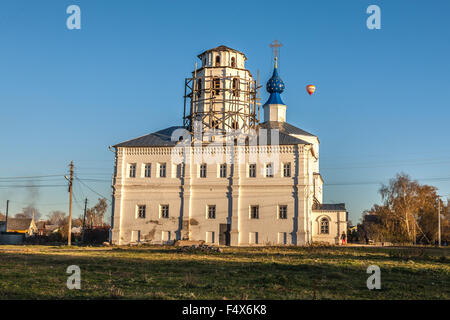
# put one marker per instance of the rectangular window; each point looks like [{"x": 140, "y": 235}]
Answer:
[
  {"x": 252, "y": 170},
  {"x": 203, "y": 170},
  {"x": 282, "y": 212},
  {"x": 287, "y": 169},
  {"x": 148, "y": 170},
  {"x": 269, "y": 170},
  {"x": 211, "y": 212},
  {"x": 132, "y": 171},
  {"x": 141, "y": 211},
  {"x": 164, "y": 211},
  {"x": 162, "y": 170},
  {"x": 216, "y": 86},
  {"x": 179, "y": 170},
  {"x": 254, "y": 212},
  {"x": 223, "y": 170}
]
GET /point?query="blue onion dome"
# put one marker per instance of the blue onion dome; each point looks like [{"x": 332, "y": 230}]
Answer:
[{"x": 275, "y": 84}]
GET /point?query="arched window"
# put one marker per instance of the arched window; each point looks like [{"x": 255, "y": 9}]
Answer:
[
  {"x": 234, "y": 125},
  {"x": 233, "y": 62},
  {"x": 216, "y": 86},
  {"x": 324, "y": 226},
  {"x": 214, "y": 124},
  {"x": 217, "y": 61},
  {"x": 199, "y": 87},
  {"x": 235, "y": 87}
]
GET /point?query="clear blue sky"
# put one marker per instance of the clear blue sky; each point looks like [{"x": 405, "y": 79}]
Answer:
[{"x": 381, "y": 105}]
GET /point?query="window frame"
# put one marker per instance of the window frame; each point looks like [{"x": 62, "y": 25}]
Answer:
[
  {"x": 216, "y": 86},
  {"x": 163, "y": 214},
  {"x": 202, "y": 170},
  {"x": 252, "y": 170},
  {"x": 254, "y": 216},
  {"x": 132, "y": 168},
  {"x": 178, "y": 170},
  {"x": 162, "y": 169},
  {"x": 211, "y": 211},
  {"x": 139, "y": 215},
  {"x": 287, "y": 168},
  {"x": 325, "y": 225},
  {"x": 269, "y": 170},
  {"x": 147, "y": 170},
  {"x": 223, "y": 170},
  {"x": 282, "y": 212}
]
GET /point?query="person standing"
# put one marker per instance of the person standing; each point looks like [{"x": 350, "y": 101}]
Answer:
[{"x": 343, "y": 238}]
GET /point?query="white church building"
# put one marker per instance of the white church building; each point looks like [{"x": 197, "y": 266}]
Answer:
[{"x": 224, "y": 176}]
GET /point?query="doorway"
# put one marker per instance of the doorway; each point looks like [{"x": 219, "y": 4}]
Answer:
[{"x": 224, "y": 234}]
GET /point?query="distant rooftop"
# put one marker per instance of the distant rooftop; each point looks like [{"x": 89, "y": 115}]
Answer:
[{"x": 19, "y": 223}]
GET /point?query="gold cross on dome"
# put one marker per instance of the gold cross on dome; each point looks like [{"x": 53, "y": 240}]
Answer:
[{"x": 276, "y": 45}]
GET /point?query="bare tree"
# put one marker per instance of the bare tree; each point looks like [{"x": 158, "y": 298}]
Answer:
[
  {"x": 408, "y": 212},
  {"x": 95, "y": 215},
  {"x": 57, "y": 218}
]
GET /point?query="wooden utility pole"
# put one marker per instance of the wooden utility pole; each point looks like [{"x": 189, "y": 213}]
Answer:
[
  {"x": 69, "y": 238},
  {"x": 84, "y": 219},
  {"x": 439, "y": 221},
  {"x": 6, "y": 220}
]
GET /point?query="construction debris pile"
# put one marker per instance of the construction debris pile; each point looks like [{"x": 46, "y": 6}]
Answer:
[{"x": 195, "y": 246}]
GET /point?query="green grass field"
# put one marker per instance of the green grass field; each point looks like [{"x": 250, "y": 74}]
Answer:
[{"x": 156, "y": 272}]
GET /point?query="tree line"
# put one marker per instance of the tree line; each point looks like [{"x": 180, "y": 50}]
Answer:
[
  {"x": 408, "y": 214},
  {"x": 58, "y": 221}
]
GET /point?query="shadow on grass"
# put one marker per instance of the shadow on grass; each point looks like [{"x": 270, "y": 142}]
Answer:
[{"x": 37, "y": 276}]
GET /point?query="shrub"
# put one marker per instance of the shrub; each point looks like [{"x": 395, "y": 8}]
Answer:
[{"x": 96, "y": 235}]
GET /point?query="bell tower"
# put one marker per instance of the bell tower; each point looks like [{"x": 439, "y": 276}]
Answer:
[{"x": 221, "y": 95}]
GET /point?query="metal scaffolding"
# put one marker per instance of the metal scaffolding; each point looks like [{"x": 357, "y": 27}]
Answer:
[{"x": 221, "y": 103}]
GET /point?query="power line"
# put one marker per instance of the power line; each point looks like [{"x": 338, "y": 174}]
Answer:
[
  {"x": 34, "y": 186},
  {"x": 76, "y": 177},
  {"x": 81, "y": 190},
  {"x": 32, "y": 177},
  {"x": 381, "y": 182},
  {"x": 363, "y": 166},
  {"x": 39, "y": 204},
  {"x": 96, "y": 180},
  {"x": 96, "y": 175},
  {"x": 77, "y": 202}
]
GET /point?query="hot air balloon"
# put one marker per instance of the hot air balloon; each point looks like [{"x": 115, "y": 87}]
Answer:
[{"x": 310, "y": 88}]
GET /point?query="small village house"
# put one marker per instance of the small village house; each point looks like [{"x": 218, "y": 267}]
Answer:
[{"x": 26, "y": 226}]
